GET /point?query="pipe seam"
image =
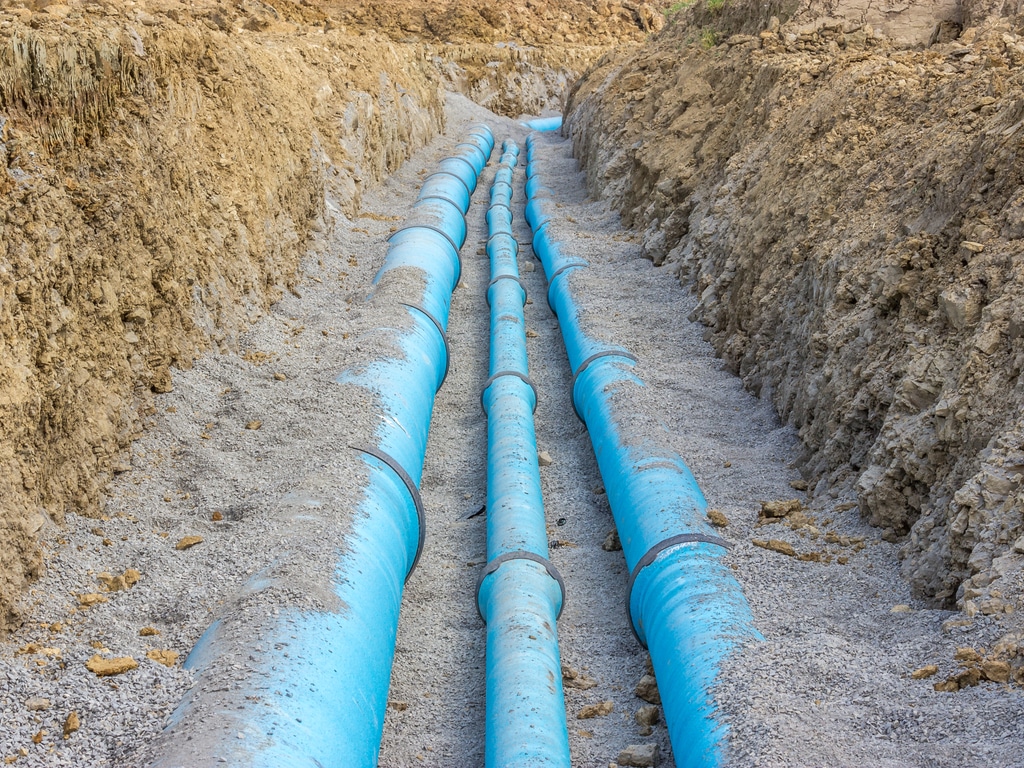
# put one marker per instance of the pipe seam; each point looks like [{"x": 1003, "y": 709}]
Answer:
[
  {"x": 507, "y": 277},
  {"x": 558, "y": 272},
  {"x": 520, "y": 554},
  {"x": 449, "y": 175},
  {"x": 445, "y": 235},
  {"x": 444, "y": 338},
  {"x": 526, "y": 379},
  {"x": 586, "y": 364},
  {"x": 414, "y": 492},
  {"x": 652, "y": 554}
]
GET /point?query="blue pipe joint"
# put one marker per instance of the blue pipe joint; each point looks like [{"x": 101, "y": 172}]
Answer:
[{"x": 446, "y": 186}]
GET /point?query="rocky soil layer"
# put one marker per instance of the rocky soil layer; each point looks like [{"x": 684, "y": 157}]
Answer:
[
  {"x": 161, "y": 168},
  {"x": 848, "y": 209}
]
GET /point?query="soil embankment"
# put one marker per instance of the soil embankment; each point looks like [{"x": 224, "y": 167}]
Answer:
[
  {"x": 162, "y": 168},
  {"x": 847, "y": 205}
]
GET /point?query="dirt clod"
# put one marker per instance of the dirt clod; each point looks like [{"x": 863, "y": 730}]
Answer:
[{"x": 600, "y": 709}]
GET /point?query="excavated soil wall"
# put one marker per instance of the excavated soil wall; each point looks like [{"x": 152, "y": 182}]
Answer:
[
  {"x": 849, "y": 207},
  {"x": 161, "y": 168}
]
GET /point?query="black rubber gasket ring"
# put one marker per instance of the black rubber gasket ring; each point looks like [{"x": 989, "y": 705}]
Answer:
[
  {"x": 414, "y": 492},
  {"x": 445, "y": 235},
  {"x": 506, "y": 234},
  {"x": 559, "y": 271},
  {"x": 473, "y": 146},
  {"x": 444, "y": 338},
  {"x": 468, "y": 165},
  {"x": 518, "y": 375},
  {"x": 505, "y": 277},
  {"x": 520, "y": 554},
  {"x": 651, "y": 555},
  {"x": 459, "y": 179},
  {"x": 585, "y": 364}
]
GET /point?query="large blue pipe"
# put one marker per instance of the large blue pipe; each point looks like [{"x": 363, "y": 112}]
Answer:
[
  {"x": 683, "y": 602},
  {"x": 321, "y": 702},
  {"x": 520, "y": 594}
]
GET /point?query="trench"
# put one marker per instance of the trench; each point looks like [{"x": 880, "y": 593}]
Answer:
[{"x": 274, "y": 503}]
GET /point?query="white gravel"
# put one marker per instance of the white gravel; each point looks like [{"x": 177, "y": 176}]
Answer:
[{"x": 830, "y": 685}]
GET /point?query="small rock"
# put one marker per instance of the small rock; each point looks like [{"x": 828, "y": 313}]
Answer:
[
  {"x": 779, "y": 509},
  {"x": 217, "y": 517},
  {"x": 531, "y": 334},
  {"x": 573, "y": 679},
  {"x": 37, "y": 704},
  {"x": 926, "y": 671},
  {"x": 528, "y": 266},
  {"x": 38, "y": 737},
  {"x": 148, "y": 632},
  {"x": 71, "y": 724},
  {"x": 280, "y": 377},
  {"x": 775, "y": 545},
  {"x": 600, "y": 709},
  {"x": 967, "y": 654},
  {"x": 647, "y": 717},
  {"x": 798, "y": 485},
  {"x": 398, "y": 706},
  {"x": 647, "y": 689},
  {"x": 544, "y": 459},
  {"x": 254, "y": 424},
  {"x": 640, "y": 755},
  {"x": 188, "y": 541},
  {"x": 167, "y": 658},
  {"x": 611, "y": 542},
  {"x": 996, "y": 671},
  {"x": 717, "y": 518},
  {"x": 901, "y": 608},
  {"x": 105, "y": 667}
]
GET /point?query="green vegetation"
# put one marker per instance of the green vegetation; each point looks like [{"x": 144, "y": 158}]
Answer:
[
  {"x": 714, "y": 5},
  {"x": 708, "y": 37}
]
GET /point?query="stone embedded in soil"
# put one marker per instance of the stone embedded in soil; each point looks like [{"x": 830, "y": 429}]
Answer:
[
  {"x": 967, "y": 654},
  {"x": 926, "y": 671},
  {"x": 105, "y": 667},
  {"x": 167, "y": 658},
  {"x": 640, "y": 755},
  {"x": 254, "y": 424},
  {"x": 779, "y": 509},
  {"x": 601, "y": 709},
  {"x": 188, "y": 541},
  {"x": 647, "y": 689},
  {"x": 647, "y": 717},
  {"x": 148, "y": 632},
  {"x": 717, "y": 518},
  {"x": 996, "y": 671},
  {"x": 124, "y": 581},
  {"x": 775, "y": 545},
  {"x": 571, "y": 678},
  {"x": 71, "y": 724},
  {"x": 611, "y": 542},
  {"x": 90, "y": 599},
  {"x": 798, "y": 485},
  {"x": 37, "y": 704},
  {"x": 544, "y": 459}
]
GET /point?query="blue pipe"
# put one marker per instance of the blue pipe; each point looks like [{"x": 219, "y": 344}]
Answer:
[
  {"x": 520, "y": 594},
  {"x": 322, "y": 703},
  {"x": 544, "y": 123},
  {"x": 683, "y": 602}
]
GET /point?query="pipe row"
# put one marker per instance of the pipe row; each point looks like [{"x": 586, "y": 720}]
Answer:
[
  {"x": 683, "y": 602},
  {"x": 520, "y": 594},
  {"x": 322, "y": 702}
]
